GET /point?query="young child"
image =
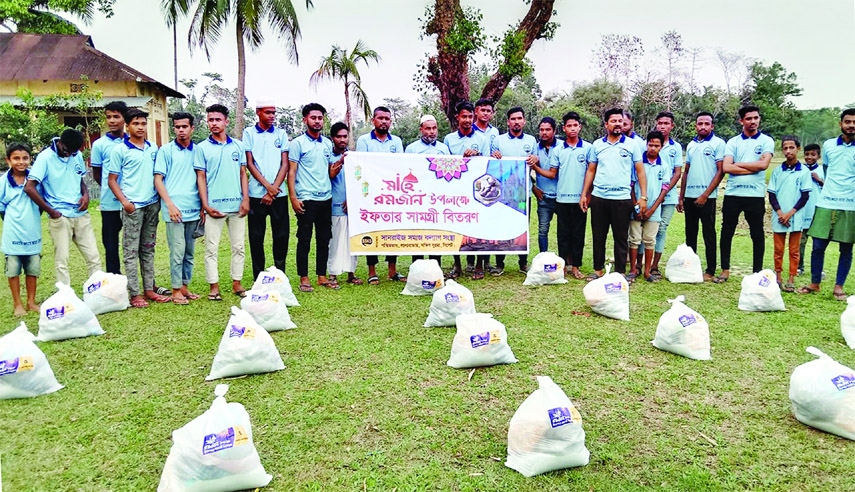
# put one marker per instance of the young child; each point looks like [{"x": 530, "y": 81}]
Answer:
[
  {"x": 22, "y": 231},
  {"x": 644, "y": 226},
  {"x": 789, "y": 190},
  {"x": 817, "y": 174}
]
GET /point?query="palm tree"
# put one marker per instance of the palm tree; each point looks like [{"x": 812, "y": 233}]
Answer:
[
  {"x": 172, "y": 11},
  {"x": 248, "y": 16},
  {"x": 342, "y": 66}
]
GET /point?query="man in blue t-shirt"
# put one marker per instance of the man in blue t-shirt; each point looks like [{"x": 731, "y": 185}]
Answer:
[
  {"x": 267, "y": 161},
  {"x": 544, "y": 187},
  {"x": 746, "y": 158},
  {"x": 699, "y": 188},
  {"x": 220, "y": 163},
  {"x": 133, "y": 160},
  {"x": 340, "y": 259},
  {"x": 380, "y": 140},
  {"x": 514, "y": 144},
  {"x": 310, "y": 191},
  {"x": 628, "y": 129},
  {"x": 428, "y": 144},
  {"x": 672, "y": 166},
  {"x": 111, "y": 209},
  {"x": 608, "y": 179},
  {"x": 60, "y": 169},
  {"x": 180, "y": 206}
]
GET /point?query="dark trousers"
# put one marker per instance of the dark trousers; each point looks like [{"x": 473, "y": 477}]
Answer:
[
  {"x": 754, "y": 209},
  {"x": 373, "y": 260},
  {"x": 615, "y": 214},
  {"x": 706, "y": 216},
  {"x": 500, "y": 261},
  {"x": 317, "y": 215},
  {"x": 111, "y": 226},
  {"x": 571, "y": 232},
  {"x": 280, "y": 226}
]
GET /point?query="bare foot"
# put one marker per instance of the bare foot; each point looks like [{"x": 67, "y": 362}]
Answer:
[
  {"x": 32, "y": 306},
  {"x": 19, "y": 311}
]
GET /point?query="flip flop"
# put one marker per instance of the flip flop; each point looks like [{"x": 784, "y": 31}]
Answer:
[
  {"x": 373, "y": 280},
  {"x": 630, "y": 277},
  {"x": 653, "y": 278},
  {"x": 807, "y": 289},
  {"x": 181, "y": 301},
  {"x": 719, "y": 279},
  {"x": 215, "y": 296},
  {"x": 306, "y": 288},
  {"x": 478, "y": 275},
  {"x": 139, "y": 303},
  {"x": 330, "y": 285},
  {"x": 788, "y": 287},
  {"x": 193, "y": 297},
  {"x": 398, "y": 277},
  {"x": 592, "y": 276},
  {"x": 240, "y": 293},
  {"x": 840, "y": 296},
  {"x": 578, "y": 275},
  {"x": 355, "y": 281},
  {"x": 160, "y": 299}
]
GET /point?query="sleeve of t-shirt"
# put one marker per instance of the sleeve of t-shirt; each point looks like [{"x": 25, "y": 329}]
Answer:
[
  {"x": 636, "y": 154},
  {"x": 242, "y": 153},
  {"x": 678, "y": 162},
  {"x": 768, "y": 146},
  {"x": 112, "y": 164},
  {"x": 807, "y": 181},
  {"x": 555, "y": 158},
  {"x": 97, "y": 157},
  {"x": 39, "y": 169},
  {"x": 730, "y": 148},
  {"x": 199, "y": 160},
  {"x": 5, "y": 179},
  {"x": 161, "y": 163},
  {"x": 247, "y": 139},
  {"x": 361, "y": 145},
  {"x": 592, "y": 154},
  {"x": 296, "y": 150},
  {"x": 773, "y": 181},
  {"x": 719, "y": 151},
  {"x": 286, "y": 142},
  {"x": 819, "y": 172}
]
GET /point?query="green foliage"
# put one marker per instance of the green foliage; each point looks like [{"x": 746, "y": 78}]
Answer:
[
  {"x": 818, "y": 125},
  {"x": 510, "y": 54},
  {"x": 771, "y": 89},
  {"x": 37, "y": 16},
  {"x": 466, "y": 35},
  {"x": 343, "y": 66}
]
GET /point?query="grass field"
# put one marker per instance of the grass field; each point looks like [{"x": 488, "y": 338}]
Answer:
[{"x": 366, "y": 401}]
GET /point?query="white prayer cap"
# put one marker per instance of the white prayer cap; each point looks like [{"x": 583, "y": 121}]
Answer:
[
  {"x": 264, "y": 103},
  {"x": 427, "y": 117}
]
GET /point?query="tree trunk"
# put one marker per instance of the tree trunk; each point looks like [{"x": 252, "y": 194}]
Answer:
[
  {"x": 240, "y": 103},
  {"x": 175, "y": 53},
  {"x": 532, "y": 25},
  {"x": 448, "y": 71},
  {"x": 348, "y": 115}
]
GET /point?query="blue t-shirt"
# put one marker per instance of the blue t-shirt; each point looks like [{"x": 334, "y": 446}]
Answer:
[
  {"x": 22, "y": 227},
  {"x": 136, "y": 167},
  {"x": 510, "y": 146},
  {"x": 476, "y": 140},
  {"x": 788, "y": 183},
  {"x": 748, "y": 149},
  {"x": 223, "y": 164},
  {"x": 672, "y": 158},
  {"x": 572, "y": 164},
  {"x": 420, "y": 147},
  {"x": 544, "y": 156},
  {"x": 703, "y": 157},
  {"x": 638, "y": 140},
  {"x": 312, "y": 157},
  {"x": 840, "y": 177},
  {"x": 370, "y": 143},
  {"x": 175, "y": 163},
  {"x": 266, "y": 147},
  {"x": 655, "y": 172},
  {"x": 815, "y": 191},
  {"x": 339, "y": 189},
  {"x": 615, "y": 162},
  {"x": 100, "y": 156},
  {"x": 60, "y": 178},
  {"x": 489, "y": 134}
]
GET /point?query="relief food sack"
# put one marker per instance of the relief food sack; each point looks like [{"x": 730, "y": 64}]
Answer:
[
  {"x": 268, "y": 309},
  {"x": 214, "y": 452},
  {"x": 683, "y": 331},
  {"x": 245, "y": 348},
  {"x": 609, "y": 295},
  {"x": 275, "y": 279},
  {"x": 822, "y": 392},
  {"x": 63, "y": 315},
  {"x": 480, "y": 341},
  {"x": 424, "y": 278},
  {"x": 448, "y": 303},
  {"x": 106, "y": 292},
  {"x": 546, "y": 269},
  {"x": 847, "y": 322},
  {"x": 24, "y": 369},
  {"x": 684, "y": 266},
  {"x": 760, "y": 292}
]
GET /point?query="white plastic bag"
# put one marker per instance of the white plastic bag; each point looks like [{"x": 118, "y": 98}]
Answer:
[
  {"x": 449, "y": 302},
  {"x": 546, "y": 269},
  {"x": 683, "y": 331},
  {"x": 609, "y": 295},
  {"x": 545, "y": 433},
  {"x": 63, "y": 315},
  {"x": 106, "y": 292},
  {"x": 823, "y": 395},
  {"x": 423, "y": 279},
  {"x": 684, "y": 266},
  {"x": 246, "y": 348},
  {"x": 275, "y": 279},
  {"x": 760, "y": 292},
  {"x": 847, "y": 322},
  {"x": 214, "y": 452},
  {"x": 480, "y": 341},
  {"x": 268, "y": 309},
  {"x": 24, "y": 369}
]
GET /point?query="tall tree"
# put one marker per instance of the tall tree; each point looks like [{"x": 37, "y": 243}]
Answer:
[
  {"x": 248, "y": 17},
  {"x": 771, "y": 89},
  {"x": 39, "y": 16},
  {"x": 672, "y": 44},
  {"x": 617, "y": 57},
  {"x": 344, "y": 66},
  {"x": 173, "y": 10},
  {"x": 459, "y": 37}
]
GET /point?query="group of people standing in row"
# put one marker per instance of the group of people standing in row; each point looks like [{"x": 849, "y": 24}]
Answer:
[{"x": 628, "y": 182}]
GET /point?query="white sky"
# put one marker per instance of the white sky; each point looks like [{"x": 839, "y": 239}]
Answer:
[{"x": 812, "y": 39}]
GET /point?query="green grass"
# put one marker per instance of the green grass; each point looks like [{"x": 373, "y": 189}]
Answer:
[{"x": 366, "y": 401}]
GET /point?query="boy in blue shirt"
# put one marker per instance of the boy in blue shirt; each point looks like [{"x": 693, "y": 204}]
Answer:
[
  {"x": 645, "y": 223},
  {"x": 817, "y": 174},
  {"x": 310, "y": 191},
  {"x": 180, "y": 206},
  {"x": 220, "y": 163},
  {"x": 111, "y": 209},
  {"x": 672, "y": 159},
  {"x": 133, "y": 160},
  {"x": 63, "y": 195},
  {"x": 22, "y": 231},
  {"x": 340, "y": 259},
  {"x": 789, "y": 190}
]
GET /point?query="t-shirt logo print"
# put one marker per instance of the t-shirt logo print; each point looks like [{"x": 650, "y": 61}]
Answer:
[
  {"x": 672, "y": 153},
  {"x": 758, "y": 150},
  {"x": 580, "y": 158},
  {"x": 393, "y": 148},
  {"x": 708, "y": 151},
  {"x": 527, "y": 148},
  {"x": 277, "y": 143},
  {"x": 624, "y": 153},
  {"x": 235, "y": 156}
]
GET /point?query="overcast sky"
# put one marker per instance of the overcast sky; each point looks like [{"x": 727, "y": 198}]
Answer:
[{"x": 812, "y": 39}]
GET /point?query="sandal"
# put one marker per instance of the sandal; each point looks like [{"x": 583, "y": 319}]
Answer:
[
  {"x": 630, "y": 277},
  {"x": 478, "y": 275},
  {"x": 720, "y": 279},
  {"x": 306, "y": 288},
  {"x": 181, "y": 301},
  {"x": 373, "y": 280},
  {"x": 398, "y": 277},
  {"x": 158, "y": 298},
  {"x": 330, "y": 285},
  {"x": 215, "y": 296},
  {"x": 193, "y": 297},
  {"x": 240, "y": 293},
  {"x": 654, "y": 272},
  {"x": 841, "y": 296},
  {"x": 807, "y": 289},
  {"x": 789, "y": 287},
  {"x": 139, "y": 302},
  {"x": 578, "y": 275},
  {"x": 452, "y": 274},
  {"x": 653, "y": 278},
  {"x": 355, "y": 281},
  {"x": 592, "y": 276}
]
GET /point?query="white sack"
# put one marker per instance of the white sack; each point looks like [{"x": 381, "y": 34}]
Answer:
[
  {"x": 760, "y": 292},
  {"x": 683, "y": 331},
  {"x": 246, "y": 348},
  {"x": 63, "y": 315},
  {"x": 823, "y": 395},
  {"x": 106, "y": 292},
  {"x": 24, "y": 369},
  {"x": 423, "y": 279},
  {"x": 684, "y": 266},
  {"x": 275, "y": 279},
  {"x": 546, "y": 269},
  {"x": 268, "y": 309},
  {"x": 609, "y": 295},
  {"x": 847, "y": 322},
  {"x": 480, "y": 341},
  {"x": 449, "y": 302}
]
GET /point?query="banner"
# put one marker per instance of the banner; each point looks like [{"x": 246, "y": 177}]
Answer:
[{"x": 418, "y": 204}]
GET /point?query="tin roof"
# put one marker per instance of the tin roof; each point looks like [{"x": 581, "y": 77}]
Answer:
[{"x": 64, "y": 57}]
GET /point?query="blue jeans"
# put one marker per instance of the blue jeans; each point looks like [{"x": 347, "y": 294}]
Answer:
[
  {"x": 545, "y": 211},
  {"x": 179, "y": 237},
  {"x": 667, "y": 213},
  {"x": 817, "y": 260}
]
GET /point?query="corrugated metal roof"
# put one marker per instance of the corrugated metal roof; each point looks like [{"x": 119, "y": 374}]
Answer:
[
  {"x": 132, "y": 102},
  {"x": 63, "y": 57}
]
